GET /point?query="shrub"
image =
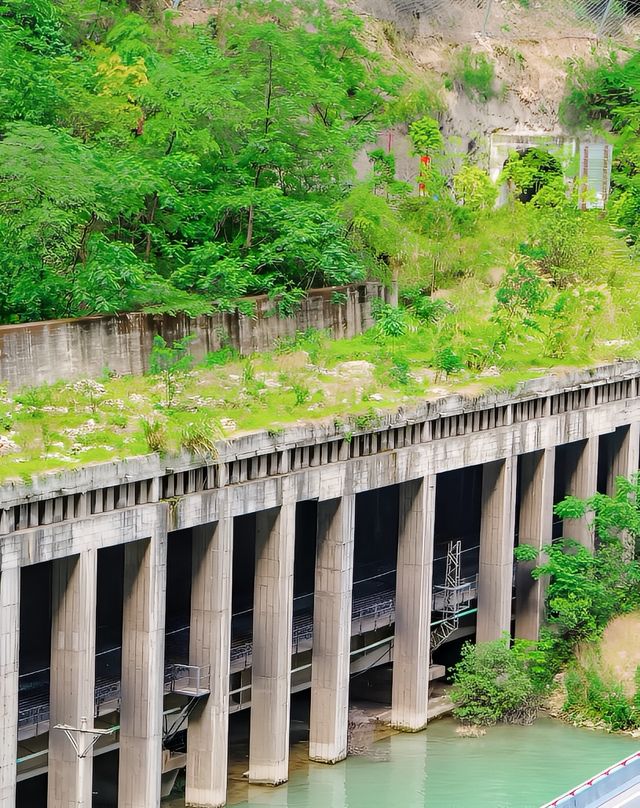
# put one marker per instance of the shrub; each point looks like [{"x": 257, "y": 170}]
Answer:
[
  {"x": 590, "y": 697},
  {"x": 491, "y": 683},
  {"x": 199, "y": 438},
  {"x": 426, "y": 136},
  {"x": 301, "y": 393},
  {"x": 222, "y": 356},
  {"x": 473, "y": 187},
  {"x": 447, "y": 361},
  {"x": 474, "y": 74},
  {"x": 391, "y": 321},
  {"x": 532, "y": 170},
  {"x": 34, "y": 399},
  {"x": 425, "y": 308},
  {"x": 170, "y": 362},
  {"x": 400, "y": 370},
  {"x": 155, "y": 434}
]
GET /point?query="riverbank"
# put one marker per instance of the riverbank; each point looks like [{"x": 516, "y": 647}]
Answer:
[{"x": 601, "y": 671}]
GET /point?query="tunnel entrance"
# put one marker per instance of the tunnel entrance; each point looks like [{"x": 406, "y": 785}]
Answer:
[{"x": 531, "y": 169}]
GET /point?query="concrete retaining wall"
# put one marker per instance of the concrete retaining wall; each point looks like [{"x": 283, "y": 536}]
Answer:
[{"x": 37, "y": 353}]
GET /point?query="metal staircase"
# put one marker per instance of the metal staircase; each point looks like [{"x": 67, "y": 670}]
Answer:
[{"x": 453, "y": 598}]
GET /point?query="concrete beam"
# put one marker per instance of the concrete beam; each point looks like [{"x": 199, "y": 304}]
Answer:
[
  {"x": 497, "y": 528},
  {"x": 332, "y": 630},
  {"x": 537, "y": 471},
  {"x": 582, "y": 481},
  {"x": 210, "y": 648},
  {"x": 272, "y": 625},
  {"x": 74, "y": 583},
  {"x": 9, "y": 661},
  {"x": 411, "y": 647},
  {"x": 142, "y": 682}
]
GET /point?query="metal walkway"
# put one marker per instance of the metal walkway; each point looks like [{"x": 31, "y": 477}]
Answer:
[{"x": 373, "y": 609}]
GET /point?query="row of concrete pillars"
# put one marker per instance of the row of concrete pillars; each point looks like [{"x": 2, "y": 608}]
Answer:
[{"x": 74, "y": 589}]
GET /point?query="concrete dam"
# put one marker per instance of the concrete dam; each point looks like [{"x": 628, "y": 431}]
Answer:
[{"x": 144, "y": 602}]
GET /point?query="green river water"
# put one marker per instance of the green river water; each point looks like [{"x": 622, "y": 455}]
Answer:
[{"x": 510, "y": 767}]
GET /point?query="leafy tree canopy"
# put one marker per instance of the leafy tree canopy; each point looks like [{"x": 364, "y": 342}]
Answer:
[{"x": 142, "y": 164}]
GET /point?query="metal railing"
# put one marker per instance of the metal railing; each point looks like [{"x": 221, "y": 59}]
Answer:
[
  {"x": 465, "y": 20},
  {"x": 369, "y": 612},
  {"x": 607, "y": 782}
]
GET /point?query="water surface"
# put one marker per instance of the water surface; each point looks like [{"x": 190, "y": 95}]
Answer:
[{"x": 510, "y": 767}]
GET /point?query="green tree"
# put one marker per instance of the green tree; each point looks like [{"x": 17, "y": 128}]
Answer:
[
  {"x": 473, "y": 187},
  {"x": 492, "y": 682},
  {"x": 426, "y": 136},
  {"x": 170, "y": 362}
]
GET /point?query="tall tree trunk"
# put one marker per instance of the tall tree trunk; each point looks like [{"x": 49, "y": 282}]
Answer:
[{"x": 267, "y": 123}]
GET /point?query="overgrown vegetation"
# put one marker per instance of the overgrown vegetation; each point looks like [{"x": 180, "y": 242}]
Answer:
[
  {"x": 507, "y": 681},
  {"x": 604, "y": 95},
  {"x": 497, "y": 681},
  {"x": 147, "y": 165},
  {"x": 586, "y": 590},
  {"x": 474, "y": 73}
]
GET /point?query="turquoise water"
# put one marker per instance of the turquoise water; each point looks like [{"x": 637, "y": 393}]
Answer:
[{"x": 510, "y": 767}]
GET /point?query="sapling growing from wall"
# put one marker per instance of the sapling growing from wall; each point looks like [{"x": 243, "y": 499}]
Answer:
[{"x": 170, "y": 362}]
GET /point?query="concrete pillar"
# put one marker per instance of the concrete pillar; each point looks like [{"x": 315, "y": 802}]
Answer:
[
  {"x": 9, "y": 659},
  {"x": 411, "y": 649},
  {"x": 332, "y": 630},
  {"x": 210, "y": 648},
  {"x": 623, "y": 462},
  {"x": 582, "y": 482},
  {"x": 272, "y": 625},
  {"x": 625, "y": 454},
  {"x": 536, "y": 525},
  {"x": 497, "y": 528},
  {"x": 74, "y": 582},
  {"x": 142, "y": 684}
]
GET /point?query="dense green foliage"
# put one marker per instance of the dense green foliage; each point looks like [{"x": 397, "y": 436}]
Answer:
[
  {"x": 474, "y": 73},
  {"x": 141, "y": 163},
  {"x": 497, "y": 681},
  {"x": 586, "y": 590},
  {"x": 606, "y": 96}
]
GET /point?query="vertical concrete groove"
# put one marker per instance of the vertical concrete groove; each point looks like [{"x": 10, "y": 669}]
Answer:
[
  {"x": 142, "y": 682},
  {"x": 411, "y": 648},
  {"x": 332, "y": 630},
  {"x": 497, "y": 529},
  {"x": 210, "y": 646},
  {"x": 582, "y": 482},
  {"x": 9, "y": 662},
  {"x": 625, "y": 454},
  {"x": 624, "y": 461},
  {"x": 537, "y": 470},
  {"x": 74, "y": 584},
  {"x": 271, "y": 660}
]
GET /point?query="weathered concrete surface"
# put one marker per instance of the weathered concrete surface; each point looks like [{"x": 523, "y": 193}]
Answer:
[
  {"x": 209, "y": 648},
  {"x": 410, "y": 684},
  {"x": 497, "y": 527},
  {"x": 142, "y": 677},
  {"x": 553, "y": 431},
  {"x": 136, "y": 502},
  {"x": 73, "y": 658},
  {"x": 38, "y": 353},
  {"x": 624, "y": 454},
  {"x": 537, "y": 471},
  {"x": 9, "y": 659},
  {"x": 582, "y": 480},
  {"x": 271, "y": 662},
  {"x": 332, "y": 630}
]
